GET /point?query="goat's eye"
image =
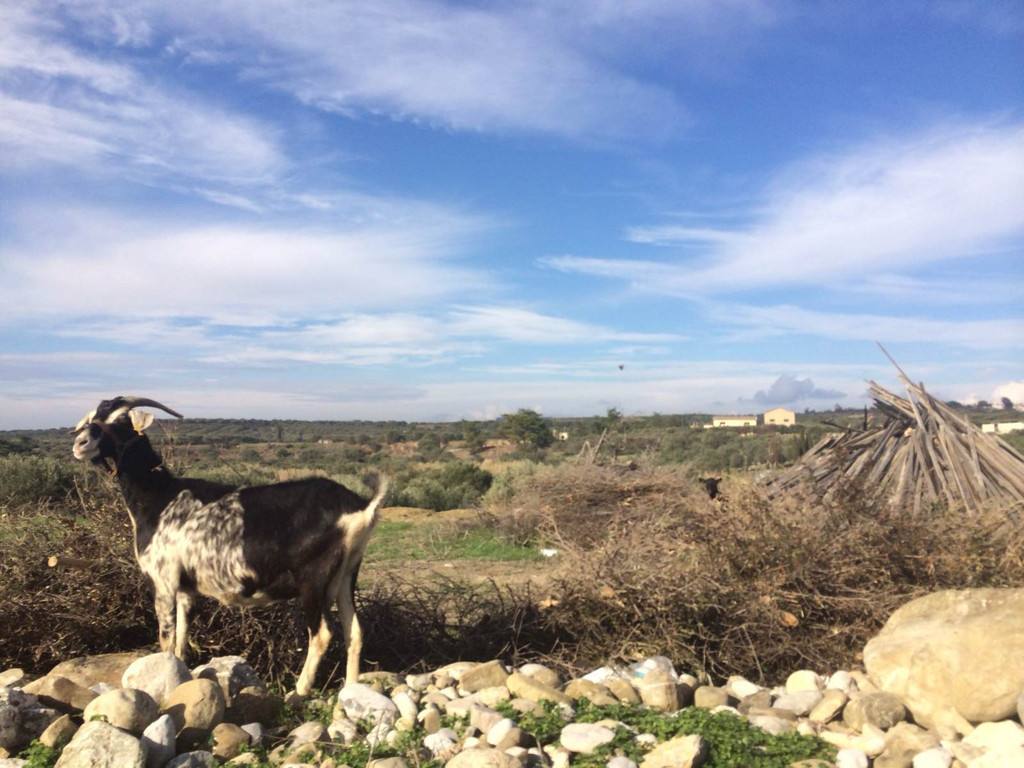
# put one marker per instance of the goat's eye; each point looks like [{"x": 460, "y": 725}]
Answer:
[{"x": 94, "y": 430}]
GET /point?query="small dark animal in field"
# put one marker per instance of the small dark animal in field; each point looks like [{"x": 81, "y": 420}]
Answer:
[
  {"x": 241, "y": 546},
  {"x": 711, "y": 486}
]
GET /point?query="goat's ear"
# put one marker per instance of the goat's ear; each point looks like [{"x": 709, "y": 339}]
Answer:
[{"x": 141, "y": 420}]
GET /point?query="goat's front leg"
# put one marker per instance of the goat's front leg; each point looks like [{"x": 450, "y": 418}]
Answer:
[
  {"x": 353, "y": 633},
  {"x": 184, "y": 605},
  {"x": 164, "y": 603}
]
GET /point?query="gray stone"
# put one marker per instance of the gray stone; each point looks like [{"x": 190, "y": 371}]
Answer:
[
  {"x": 358, "y": 701},
  {"x": 13, "y": 678},
  {"x": 87, "y": 671},
  {"x": 804, "y": 680},
  {"x": 831, "y": 704},
  {"x": 158, "y": 741},
  {"x": 232, "y": 673},
  {"x": 680, "y": 752},
  {"x": 937, "y": 654},
  {"x": 60, "y": 693},
  {"x": 584, "y": 738},
  {"x": 431, "y": 719},
  {"x": 800, "y": 702},
  {"x": 658, "y": 691},
  {"x": 443, "y": 745},
  {"x": 540, "y": 673},
  {"x": 255, "y": 732},
  {"x": 529, "y": 687},
  {"x": 593, "y": 692},
  {"x": 196, "y": 707},
  {"x": 125, "y": 708},
  {"x": 197, "y": 759},
  {"x": 772, "y": 724},
  {"x": 157, "y": 674},
  {"x": 343, "y": 731},
  {"x": 229, "y": 739},
  {"x": 59, "y": 732},
  {"x": 902, "y": 742},
  {"x": 253, "y": 704},
  {"x": 851, "y": 758},
  {"x": 486, "y": 757},
  {"x": 709, "y": 697},
  {"x": 759, "y": 700},
  {"x": 486, "y": 675},
  {"x": 883, "y": 710},
  {"x": 623, "y": 690},
  {"x": 100, "y": 745},
  {"x": 308, "y": 733}
]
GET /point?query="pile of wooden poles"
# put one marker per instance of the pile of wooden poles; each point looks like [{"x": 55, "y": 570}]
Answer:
[{"x": 923, "y": 452}]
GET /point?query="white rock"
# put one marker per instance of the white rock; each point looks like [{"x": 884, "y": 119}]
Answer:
[
  {"x": 739, "y": 687},
  {"x": 620, "y": 762},
  {"x": 602, "y": 675},
  {"x": 937, "y": 757},
  {"x": 1010, "y": 757},
  {"x": 256, "y": 733},
  {"x": 443, "y": 745},
  {"x": 197, "y": 759},
  {"x": 851, "y": 758},
  {"x": 100, "y": 688},
  {"x": 640, "y": 669},
  {"x": 157, "y": 674},
  {"x": 585, "y": 737},
  {"x": 232, "y": 674},
  {"x": 646, "y": 739},
  {"x": 343, "y": 730},
  {"x": 100, "y": 745},
  {"x": 804, "y": 680},
  {"x": 799, "y": 703},
  {"x": 840, "y": 681},
  {"x": 125, "y": 708},
  {"x": 994, "y": 736},
  {"x": 776, "y": 726},
  {"x": 308, "y": 733},
  {"x": 359, "y": 701},
  {"x": 406, "y": 706},
  {"x": 499, "y": 730},
  {"x": 158, "y": 741}
]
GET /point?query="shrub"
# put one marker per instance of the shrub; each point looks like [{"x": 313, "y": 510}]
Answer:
[
  {"x": 29, "y": 479},
  {"x": 757, "y": 587},
  {"x": 454, "y": 485}
]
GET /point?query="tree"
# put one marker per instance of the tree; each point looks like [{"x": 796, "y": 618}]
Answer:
[
  {"x": 527, "y": 427},
  {"x": 1007, "y": 404}
]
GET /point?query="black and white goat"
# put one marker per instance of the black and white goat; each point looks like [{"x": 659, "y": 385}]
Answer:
[{"x": 241, "y": 546}]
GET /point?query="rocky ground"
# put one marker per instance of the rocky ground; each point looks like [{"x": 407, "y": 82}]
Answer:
[{"x": 941, "y": 688}]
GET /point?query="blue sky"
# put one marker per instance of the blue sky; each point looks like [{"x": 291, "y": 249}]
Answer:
[{"x": 427, "y": 210}]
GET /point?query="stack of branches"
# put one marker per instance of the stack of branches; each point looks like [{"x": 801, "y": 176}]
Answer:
[{"x": 924, "y": 452}]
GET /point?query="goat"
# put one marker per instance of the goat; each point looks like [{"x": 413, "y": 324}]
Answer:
[
  {"x": 239, "y": 545},
  {"x": 711, "y": 486}
]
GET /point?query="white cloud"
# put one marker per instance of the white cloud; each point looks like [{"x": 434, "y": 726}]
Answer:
[
  {"x": 82, "y": 261},
  {"x": 559, "y": 68},
  {"x": 1011, "y": 389},
  {"x": 59, "y": 105},
  {"x": 952, "y": 193},
  {"x": 785, "y": 320}
]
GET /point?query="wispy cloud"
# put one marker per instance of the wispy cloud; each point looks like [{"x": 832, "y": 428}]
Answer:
[
  {"x": 556, "y": 68},
  {"x": 59, "y": 105},
  {"x": 92, "y": 262},
  {"x": 952, "y": 193},
  {"x": 785, "y": 320}
]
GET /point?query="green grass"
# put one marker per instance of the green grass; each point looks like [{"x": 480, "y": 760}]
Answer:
[{"x": 403, "y": 540}]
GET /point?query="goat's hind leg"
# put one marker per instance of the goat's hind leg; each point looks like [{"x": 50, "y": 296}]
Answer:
[
  {"x": 184, "y": 610},
  {"x": 353, "y": 632},
  {"x": 164, "y": 603},
  {"x": 319, "y": 632}
]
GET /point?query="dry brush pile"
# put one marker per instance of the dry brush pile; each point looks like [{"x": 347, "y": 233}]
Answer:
[
  {"x": 649, "y": 565},
  {"x": 752, "y": 586}
]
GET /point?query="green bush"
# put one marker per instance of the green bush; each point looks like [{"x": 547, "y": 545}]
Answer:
[
  {"x": 29, "y": 479},
  {"x": 455, "y": 485}
]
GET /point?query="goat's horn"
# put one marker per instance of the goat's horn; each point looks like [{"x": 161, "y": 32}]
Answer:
[{"x": 142, "y": 402}]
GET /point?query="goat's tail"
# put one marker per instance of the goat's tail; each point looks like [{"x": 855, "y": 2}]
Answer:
[{"x": 382, "y": 482}]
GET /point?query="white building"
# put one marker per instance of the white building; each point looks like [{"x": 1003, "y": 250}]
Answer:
[
  {"x": 1003, "y": 427},
  {"x": 731, "y": 421},
  {"x": 780, "y": 416}
]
